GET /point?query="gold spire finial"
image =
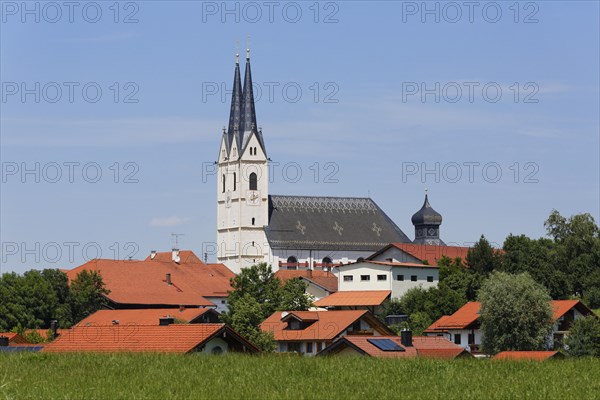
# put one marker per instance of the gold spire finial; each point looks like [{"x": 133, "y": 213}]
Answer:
[{"x": 248, "y": 47}]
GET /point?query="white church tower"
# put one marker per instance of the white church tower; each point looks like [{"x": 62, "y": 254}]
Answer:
[{"x": 242, "y": 184}]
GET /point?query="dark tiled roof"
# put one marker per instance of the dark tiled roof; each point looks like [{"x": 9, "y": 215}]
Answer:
[{"x": 329, "y": 223}]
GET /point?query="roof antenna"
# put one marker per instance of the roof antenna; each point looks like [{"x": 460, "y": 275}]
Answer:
[{"x": 176, "y": 236}]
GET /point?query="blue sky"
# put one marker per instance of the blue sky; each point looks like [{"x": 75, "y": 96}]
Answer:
[{"x": 369, "y": 123}]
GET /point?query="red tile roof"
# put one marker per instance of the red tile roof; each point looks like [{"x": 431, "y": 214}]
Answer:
[
  {"x": 326, "y": 280},
  {"x": 527, "y": 355},
  {"x": 400, "y": 264},
  {"x": 423, "y": 346},
  {"x": 326, "y": 325},
  {"x": 357, "y": 298},
  {"x": 144, "y": 282},
  {"x": 140, "y": 338},
  {"x": 147, "y": 316},
  {"x": 431, "y": 254},
  {"x": 469, "y": 313},
  {"x": 14, "y": 338}
]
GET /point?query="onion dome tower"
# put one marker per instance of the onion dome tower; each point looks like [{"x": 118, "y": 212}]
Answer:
[{"x": 427, "y": 223}]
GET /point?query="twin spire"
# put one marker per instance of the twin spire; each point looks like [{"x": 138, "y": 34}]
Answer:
[{"x": 242, "y": 116}]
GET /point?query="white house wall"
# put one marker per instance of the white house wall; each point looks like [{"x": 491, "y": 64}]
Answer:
[{"x": 398, "y": 288}]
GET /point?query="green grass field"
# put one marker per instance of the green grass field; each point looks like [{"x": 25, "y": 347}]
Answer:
[{"x": 152, "y": 376}]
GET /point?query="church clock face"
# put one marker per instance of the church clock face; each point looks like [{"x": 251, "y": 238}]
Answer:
[{"x": 253, "y": 198}]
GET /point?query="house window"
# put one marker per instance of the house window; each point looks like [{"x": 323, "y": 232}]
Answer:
[
  {"x": 430, "y": 279},
  {"x": 471, "y": 339},
  {"x": 319, "y": 347},
  {"x": 234, "y": 181},
  {"x": 382, "y": 277},
  {"x": 348, "y": 278},
  {"x": 294, "y": 325},
  {"x": 457, "y": 338},
  {"x": 413, "y": 278},
  {"x": 253, "y": 221},
  {"x": 292, "y": 260},
  {"x": 327, "y": 260},
  {"x": 355, "y": 326},
  {"x": 293, "y": 347},
  {"x": 223, "y": 183},
  {"x": 400, "y": 277},
  {"x": 253, "y": 181},
  {"x": 309, "y": 347},
  {"x": 365, "y": 277}
]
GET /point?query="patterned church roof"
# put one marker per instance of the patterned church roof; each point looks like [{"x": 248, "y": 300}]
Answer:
[{"x": 329, "y": 223}]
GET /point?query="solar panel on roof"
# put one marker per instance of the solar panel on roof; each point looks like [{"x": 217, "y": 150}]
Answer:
[{"x": 385, "y": 344}]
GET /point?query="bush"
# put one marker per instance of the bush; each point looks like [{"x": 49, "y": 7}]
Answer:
[{"x": 584, "y": 337}]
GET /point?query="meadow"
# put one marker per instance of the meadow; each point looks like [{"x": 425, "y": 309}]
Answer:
[{"x": 161, "y": 376}]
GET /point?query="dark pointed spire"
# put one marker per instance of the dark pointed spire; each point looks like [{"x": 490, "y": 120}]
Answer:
[
  {"x": 235, "y": 114},
  {"x": 427, "y": 223},
  {"x": 248, "y": 112}
]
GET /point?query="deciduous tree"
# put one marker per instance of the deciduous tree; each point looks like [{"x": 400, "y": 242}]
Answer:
[{"x": 515, "y": 313}]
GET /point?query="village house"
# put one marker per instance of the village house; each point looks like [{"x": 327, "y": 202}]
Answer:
[
  {"x": 370, "y": 300},
  {"x": 396, "y": 277},
  {"x": 308, "y": 332},
  {"x": 319, "y": 283},
  {"x": 463, "y": 327},
  {"x": 173, "y": 338},
  {"x": 418, "y": 253},
  {"x": 404, "y": 346},
  {"x": 163, "y": 280}
]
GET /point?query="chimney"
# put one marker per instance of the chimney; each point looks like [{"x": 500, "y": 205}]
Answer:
[
  {"x": 152, "y": 254},
  {"x": 168, "y": 279},
  {"x": 406, "y": 338},
  {"x": 3, "y": 341},
  {"x": 166, "y": 320},
  {"x": 53, "y": 328},
  {"x": 175, "y": 256}
]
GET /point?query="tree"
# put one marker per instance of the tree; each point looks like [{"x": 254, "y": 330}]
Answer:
[
  {"x": 482, "y": 257},
  {"x": 457, "y": 276},
  {"x": 584, "y": 337},
  {"x": 515, "y": 313},
  {"x": 88, "y": 294},
  {"x": 536, "y": 257},
  {"x": 577, "y": 240},
  {"x": 257, "y": 294}
]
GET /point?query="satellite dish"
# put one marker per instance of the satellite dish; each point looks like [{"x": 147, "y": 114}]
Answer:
[{"x": 284, "y": 314}]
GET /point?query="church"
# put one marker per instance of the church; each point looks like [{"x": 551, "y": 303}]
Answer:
[{"x": 292, "y": 232}]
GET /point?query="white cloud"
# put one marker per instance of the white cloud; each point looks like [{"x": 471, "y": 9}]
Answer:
[{"x": 168, "y": 221}]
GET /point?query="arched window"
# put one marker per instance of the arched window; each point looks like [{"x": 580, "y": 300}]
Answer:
[
  {"x": 223, "y": 183},
  {"x": 327, "y": 260},
  {"x": 360, "y": 259},
  {"x": 253, "y": 220},
  {"x": 292, "y": 260},
  {"x": 253, "y": 183},
  {"x": 234, "y": 181}
]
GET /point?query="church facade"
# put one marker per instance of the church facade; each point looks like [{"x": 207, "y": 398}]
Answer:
[{"x": 292, "y": 232}]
